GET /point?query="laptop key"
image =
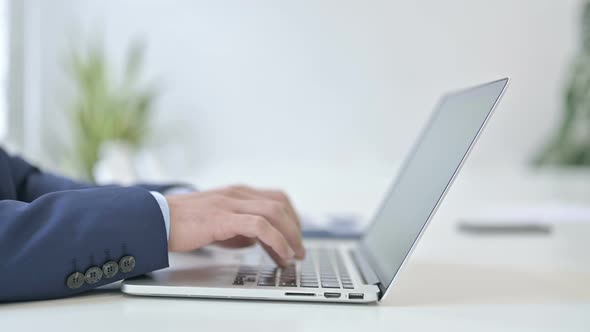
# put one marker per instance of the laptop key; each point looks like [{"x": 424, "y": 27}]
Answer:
[
  {"x": 288, "y": 282},
  {"x": 267, "y": 282},
  {"x": 310, "y": 285},
  {"x": 323, "y": 268},
  {"x": 330, "y": 285}
]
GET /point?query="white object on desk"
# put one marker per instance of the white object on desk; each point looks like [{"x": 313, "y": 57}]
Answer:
[{"x": 551, "y": 213}]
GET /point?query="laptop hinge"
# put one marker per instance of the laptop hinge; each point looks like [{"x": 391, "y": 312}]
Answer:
[{"x": 365, "y": 268}]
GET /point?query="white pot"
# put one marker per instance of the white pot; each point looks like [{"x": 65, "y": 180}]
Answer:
[{"x": 116, "y": 164}]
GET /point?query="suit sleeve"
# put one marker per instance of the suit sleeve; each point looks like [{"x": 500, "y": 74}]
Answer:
[{"x": 55, "y": 235}]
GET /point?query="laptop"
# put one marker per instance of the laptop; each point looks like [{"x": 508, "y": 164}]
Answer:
[{"x": 359, "y": 271}]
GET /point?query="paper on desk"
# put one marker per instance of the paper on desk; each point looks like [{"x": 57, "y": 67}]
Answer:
[{"x": 545, "y": 214}]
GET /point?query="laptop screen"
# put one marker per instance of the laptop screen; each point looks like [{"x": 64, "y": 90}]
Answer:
[{"x": 425, "y": 176}]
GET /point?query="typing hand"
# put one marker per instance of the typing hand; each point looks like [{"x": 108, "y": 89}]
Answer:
[{"x": 236, "y": 216}]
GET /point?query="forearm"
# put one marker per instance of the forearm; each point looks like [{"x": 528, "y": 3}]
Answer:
[{"x": 45, "y": 241}]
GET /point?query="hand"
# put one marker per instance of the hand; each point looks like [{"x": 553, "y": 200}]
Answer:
[{"x": 236, "y": 216}]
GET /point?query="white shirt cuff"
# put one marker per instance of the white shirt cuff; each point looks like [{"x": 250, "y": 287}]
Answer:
[{"x": 163, "y": 203}]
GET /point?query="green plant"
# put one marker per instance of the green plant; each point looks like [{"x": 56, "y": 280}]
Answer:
[
  {"x": 106, "y": 108},
  {"x": 570, "y": 145}
]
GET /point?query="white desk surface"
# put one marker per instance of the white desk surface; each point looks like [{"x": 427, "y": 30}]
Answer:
[{"x": 454, "y": 282}]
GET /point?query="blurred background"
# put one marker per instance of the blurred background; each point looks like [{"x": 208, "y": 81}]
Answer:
[{"x": 323, "y": 98}]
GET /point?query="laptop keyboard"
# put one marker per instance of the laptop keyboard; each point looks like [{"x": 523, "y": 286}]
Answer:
[{"x": 322, "y": 267}]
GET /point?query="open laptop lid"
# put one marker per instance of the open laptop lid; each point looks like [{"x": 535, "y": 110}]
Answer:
[{"x": 426, "y": 176}]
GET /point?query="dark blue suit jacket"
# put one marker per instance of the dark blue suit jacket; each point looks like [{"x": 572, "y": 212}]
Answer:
[{"x": 51, "y": 227}]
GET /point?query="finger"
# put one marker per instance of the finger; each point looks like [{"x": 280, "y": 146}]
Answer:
[
  {"x": 278, "y": 217},
  {"x": 237, "y": 242},
  {"x": 276, "y": 195},
  {"x": 254, "y": 226},
  {"x": 247, "y": 193},
  {"x": 282, "y": 197},
  {"x": 274, "y": 256}
]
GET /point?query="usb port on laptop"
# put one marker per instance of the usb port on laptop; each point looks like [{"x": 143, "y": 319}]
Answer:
[{"x": 356, "y": 296}]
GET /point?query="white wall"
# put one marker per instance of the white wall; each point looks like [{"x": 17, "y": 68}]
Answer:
[
  {"x": 3, "y": 65},
  {"x": 329, "y": 80}
]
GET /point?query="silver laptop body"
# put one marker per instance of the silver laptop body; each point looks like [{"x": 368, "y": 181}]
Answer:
[{"x": 358, "y": 272}]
